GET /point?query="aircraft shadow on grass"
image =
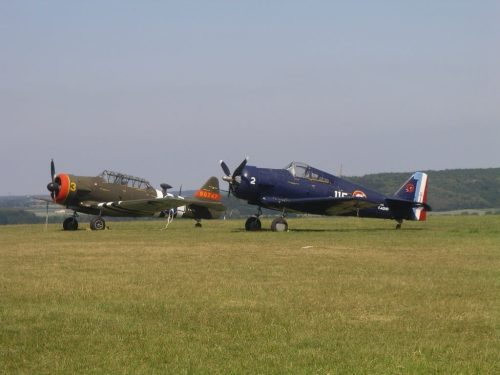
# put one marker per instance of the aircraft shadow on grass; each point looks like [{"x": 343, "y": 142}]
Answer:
[{"x": 333, "y": 230}]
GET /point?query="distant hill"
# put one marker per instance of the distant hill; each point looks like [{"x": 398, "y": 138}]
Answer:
[{"x": 451, "y": 189}]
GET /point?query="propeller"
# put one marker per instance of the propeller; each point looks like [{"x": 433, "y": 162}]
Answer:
[
  {"x": 235, "y": 178},
  {"x": 53, "y": 186}
]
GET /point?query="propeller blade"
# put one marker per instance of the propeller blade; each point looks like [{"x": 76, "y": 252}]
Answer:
[
  {"x": 225, "y": 168},
  {"x": 227, "y": 177},
  {"x": 237, "y": 171},
  {"x": 52, "y": 170},
  {"x": 232, "y": 179},
  {"x": 53, "y": 187}
]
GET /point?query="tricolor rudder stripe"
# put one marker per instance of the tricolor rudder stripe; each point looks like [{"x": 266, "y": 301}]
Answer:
[{"x": 420, "y": 195}]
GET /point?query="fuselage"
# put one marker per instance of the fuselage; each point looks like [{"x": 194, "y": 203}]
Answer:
[
  {"x": 78, "y": 192},
  {"x": 277, "y": 188}
]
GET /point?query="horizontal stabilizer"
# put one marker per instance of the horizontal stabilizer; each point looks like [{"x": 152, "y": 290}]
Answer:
[{"x": 402, "y": 204}]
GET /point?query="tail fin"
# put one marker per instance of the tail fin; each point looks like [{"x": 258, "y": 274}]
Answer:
[
  {"x": 415, "y": 190},
  {"x": 209, "y": 191}
]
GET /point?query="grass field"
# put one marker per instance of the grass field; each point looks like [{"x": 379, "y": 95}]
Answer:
[{"x": 332, "y": 296}]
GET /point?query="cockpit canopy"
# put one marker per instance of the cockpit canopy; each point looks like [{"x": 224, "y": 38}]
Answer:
[
  {"x": 302, "y": 170},
  {"x": 123, "y": 179}
]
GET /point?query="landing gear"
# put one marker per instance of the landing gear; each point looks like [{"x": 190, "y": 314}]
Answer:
[
  {"x": 70, "y": 223},
  {"x": 198, "y": 224},
  {"x": 253, "y": 224},
  {"x": 97, "y": 223},
  {"x": 398, "y": 225},
  {"x": 279, "y": 225}
]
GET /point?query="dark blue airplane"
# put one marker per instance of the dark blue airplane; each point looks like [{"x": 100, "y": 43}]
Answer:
[{"x": 302, "y": 188}]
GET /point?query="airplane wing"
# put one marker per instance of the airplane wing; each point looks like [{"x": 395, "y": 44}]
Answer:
[
  {"x": 148, "y": 207},
  {"x": 136, "y": 207},
  {"x": 204, "y": 203},
  {"x": 322, "y": 206}
]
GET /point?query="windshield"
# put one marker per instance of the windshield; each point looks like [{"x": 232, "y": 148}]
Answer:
[
  {"x": 122, "y": 179},
  {"x": 302, "y": 170},
  {"x": 297, "y": 169}
]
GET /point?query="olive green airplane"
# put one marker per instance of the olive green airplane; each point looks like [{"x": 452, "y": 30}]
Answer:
[{"x": 118, "y": 194}]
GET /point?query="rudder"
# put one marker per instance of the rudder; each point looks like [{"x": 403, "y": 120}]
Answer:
[
  {"x": 415, "y": 190},
  {"x": 209, "y": 191}
]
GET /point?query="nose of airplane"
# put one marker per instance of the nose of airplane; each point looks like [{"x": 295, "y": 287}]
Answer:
[{"x": 233, "y": 179}]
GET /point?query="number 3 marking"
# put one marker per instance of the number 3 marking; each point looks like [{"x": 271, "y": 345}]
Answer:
[{"x": 72, "y": 186}]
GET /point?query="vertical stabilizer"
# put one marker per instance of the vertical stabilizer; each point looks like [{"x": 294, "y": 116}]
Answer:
[
  {"x": 209, "y": 191},
  {"x": 415, "y": 190}
]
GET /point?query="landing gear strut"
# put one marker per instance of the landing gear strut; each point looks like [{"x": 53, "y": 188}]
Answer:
[{"x": 71, "y": 223}]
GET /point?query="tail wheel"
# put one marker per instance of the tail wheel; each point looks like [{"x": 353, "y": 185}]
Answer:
[
  {"x": 279, "y": 225},
  {"x": 398, "y": 225},
  {"x": 97, "y": 223},
  {"x": 253, "y": 224},
  {"x": 70, "y": 223}
]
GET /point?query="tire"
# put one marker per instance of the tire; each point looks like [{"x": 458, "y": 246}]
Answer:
[
  {"x": 70, "y": 223},
  {"x": 97, "y": 223},
  {"x": 279, "y": 225},
  {"x": 253, "y": 224}
]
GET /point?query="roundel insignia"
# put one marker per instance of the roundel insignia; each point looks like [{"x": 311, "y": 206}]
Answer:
[
  {"x": 358, "y": 194},
  {"x": 410, "y": 188}
]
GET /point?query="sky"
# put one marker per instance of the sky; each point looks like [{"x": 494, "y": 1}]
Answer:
[{"x": 165, "y": 89}]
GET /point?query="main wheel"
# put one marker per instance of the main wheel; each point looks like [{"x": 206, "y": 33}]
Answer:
[
  {"x": 70, "y": 223},
  {"x": 279, "y": 225},
  {"x": 97, "y": 223},
  {"x": 197, "y": 225},
  {"x": 253, "y": 224}
]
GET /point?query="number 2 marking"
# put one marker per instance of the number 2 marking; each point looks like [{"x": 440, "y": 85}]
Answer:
[{"x": 252, "y": 180}]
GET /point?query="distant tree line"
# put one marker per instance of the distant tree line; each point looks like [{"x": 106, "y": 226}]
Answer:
[
  {"x": 453, "y": 189},
  {"x": 18, "y": 216}
]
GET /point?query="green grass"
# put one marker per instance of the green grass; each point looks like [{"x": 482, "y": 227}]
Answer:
[{"x": 333, "y": 295}]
